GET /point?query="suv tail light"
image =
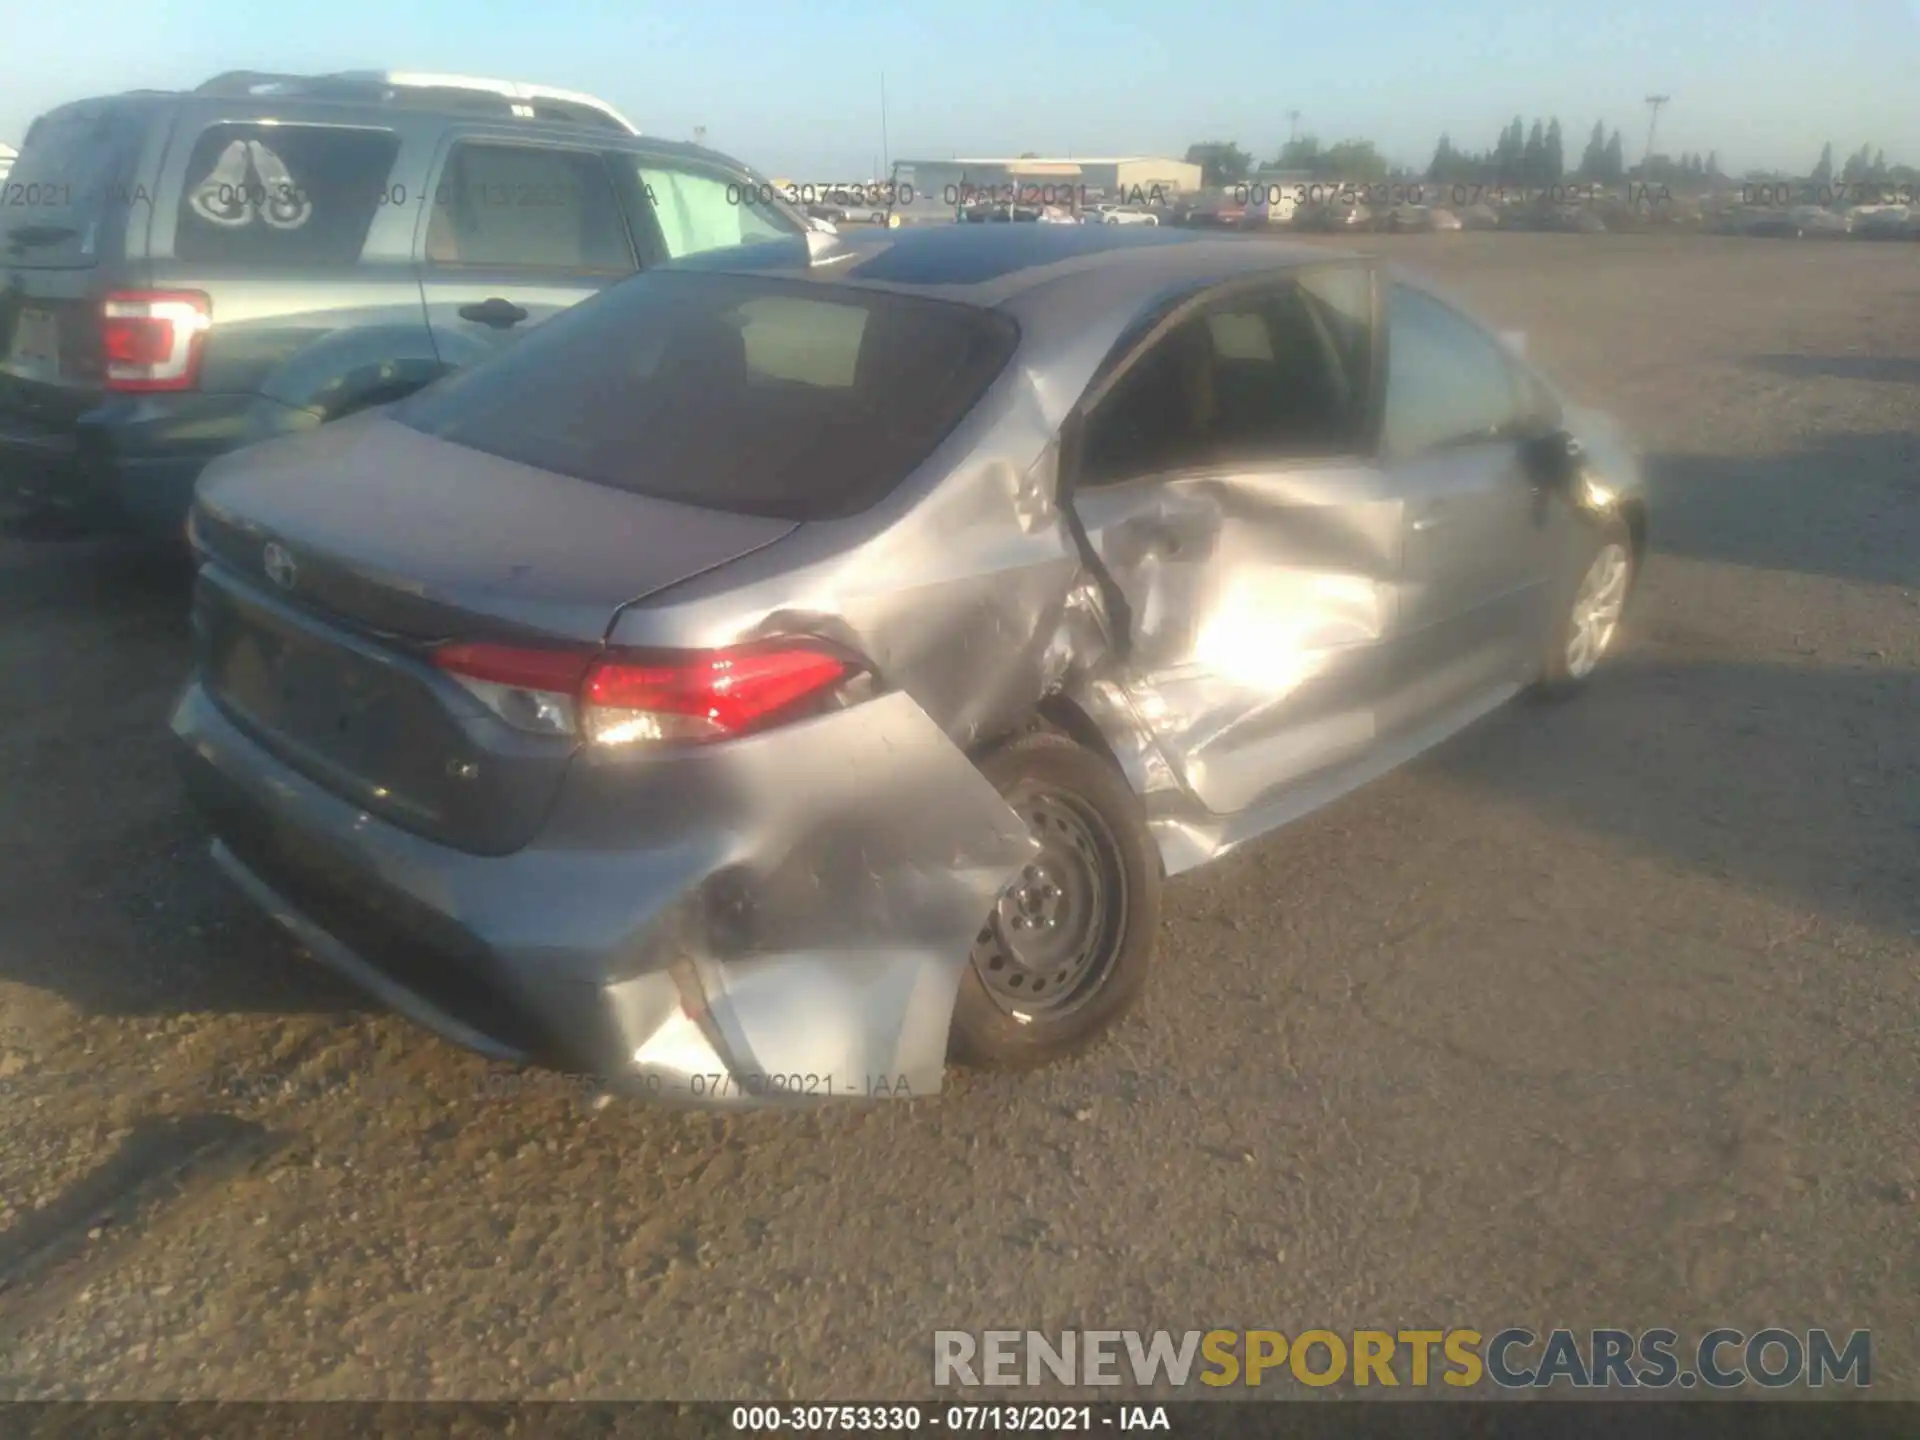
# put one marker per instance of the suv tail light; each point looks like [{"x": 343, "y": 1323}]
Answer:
[
  {"x": 152, "y": 339},
  {"x": 612, "y": 698}
]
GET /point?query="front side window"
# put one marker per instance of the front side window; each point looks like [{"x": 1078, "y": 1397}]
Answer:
[
  {"x": 758, "y": 396},
  {"x": 1448, "y": 381},
  {"x": 698, "y": 211},
  {"x": 527, "y": 207},
  {"x": 271, "y": 195}
]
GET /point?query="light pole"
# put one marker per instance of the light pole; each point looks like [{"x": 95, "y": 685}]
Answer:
[
  {"x": 1654, "y": 102},
  {"x": 886, "y": 158}
]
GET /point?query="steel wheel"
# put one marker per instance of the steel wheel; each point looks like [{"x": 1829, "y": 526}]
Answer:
[
  {"x": 1596, "y": 609},
  {"x": 1051, "y": 938}
]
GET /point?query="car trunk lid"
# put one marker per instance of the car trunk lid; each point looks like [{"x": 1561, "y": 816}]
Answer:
[{"x": 338, "y": 561}]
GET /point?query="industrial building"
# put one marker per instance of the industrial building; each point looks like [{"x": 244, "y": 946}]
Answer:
[{"x": 1128, "y": 178}]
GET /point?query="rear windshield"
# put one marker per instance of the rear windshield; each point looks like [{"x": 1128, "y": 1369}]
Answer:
[
  {"x": 760, "y": 396},
  {"x": 75, "y": 166},
  {"x": 285, "y": 195}
]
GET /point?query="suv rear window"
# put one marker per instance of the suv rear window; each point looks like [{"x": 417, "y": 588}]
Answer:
[
  {"x": 75, "y": 165},
  {"x": 292, "y": 195},
  {"x": 759, "y": 396}
]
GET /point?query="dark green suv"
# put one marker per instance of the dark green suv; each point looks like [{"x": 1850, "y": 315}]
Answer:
[{"x": 185, "y": 273}]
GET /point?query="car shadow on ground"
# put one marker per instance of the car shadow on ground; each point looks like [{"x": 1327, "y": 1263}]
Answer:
[
  {"x": 1794, "y": 781},
  {"x": 1899, "y": 370},
  {"x": 1843, "y": 507}
]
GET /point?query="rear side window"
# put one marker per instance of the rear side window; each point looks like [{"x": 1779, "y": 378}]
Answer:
[
  {"x": 527, "y": 207},
  {"x": 759, "y": 396},
  {"x": 697, "y": 211},
  {"x": 75, "y": 165},
  {"x": 284, "y": 195}
]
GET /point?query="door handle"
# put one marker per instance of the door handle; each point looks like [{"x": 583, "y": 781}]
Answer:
[{"x": 496, "y": 314}]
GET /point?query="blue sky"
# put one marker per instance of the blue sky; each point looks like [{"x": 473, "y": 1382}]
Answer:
[{"x": 795, "y": 88}]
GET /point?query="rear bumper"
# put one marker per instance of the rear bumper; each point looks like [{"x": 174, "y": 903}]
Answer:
[
  {"x": 131, "y": 468},
  {"x": 797, "y": 940}
]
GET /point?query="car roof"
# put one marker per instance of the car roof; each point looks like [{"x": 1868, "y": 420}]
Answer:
[
  {"x": 1074, "y": 271},
  {"x": 298, "y": 109}
]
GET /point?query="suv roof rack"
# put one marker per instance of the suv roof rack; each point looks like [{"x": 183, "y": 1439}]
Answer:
[{"x": 428, "y": 91}]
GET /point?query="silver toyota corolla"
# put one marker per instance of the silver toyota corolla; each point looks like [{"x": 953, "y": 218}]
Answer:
[{"x": 799, "y": 666}]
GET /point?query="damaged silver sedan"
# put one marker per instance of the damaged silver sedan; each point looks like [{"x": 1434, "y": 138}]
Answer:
[{"x": 801, "y": 666}]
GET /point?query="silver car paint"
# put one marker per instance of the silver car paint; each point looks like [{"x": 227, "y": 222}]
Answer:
[
  {"x": 810, "y": 909},
  {"x": 801, "y": 934}
]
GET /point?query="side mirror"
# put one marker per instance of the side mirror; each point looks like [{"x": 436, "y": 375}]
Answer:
[{"x": 1555, "y": 459}]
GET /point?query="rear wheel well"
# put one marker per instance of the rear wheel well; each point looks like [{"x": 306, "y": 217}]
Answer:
[
  {"x": 1055, "y": 715},
  {"x": 1060, "y": 714}
]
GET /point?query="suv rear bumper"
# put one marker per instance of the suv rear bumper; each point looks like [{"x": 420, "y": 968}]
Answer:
[
  {"x": 609, "y": 947},
  {"x": 134, "y": 471}
]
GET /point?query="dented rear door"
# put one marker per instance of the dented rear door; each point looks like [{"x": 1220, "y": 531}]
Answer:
[
  {"x": 1257, "y": 606},
  {"x": 1257, "y": 591}
]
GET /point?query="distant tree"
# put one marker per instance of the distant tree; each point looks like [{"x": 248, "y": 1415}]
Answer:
[
  {"x": 1441, "y": 170},
  {"x": 1510, "y": 154},
  {"x": 1823, "y": 172},
  {"x": 1300, "y": 153},
  {"x": 1713, "y": 167},
  {"x": 1355, "y": 160},
  {"x": 1856, "y": 166},
  {"x": 1533, "y": 156},
  {"x": 1221, "y": 162},
  {"x": 1555, "y": 169},
  {"x": 1614, "y": 167},
  {"x": 1879, "y": 170},
  {"x": 1029, "y": 154},
  {"x": 1593, "y": 160}
]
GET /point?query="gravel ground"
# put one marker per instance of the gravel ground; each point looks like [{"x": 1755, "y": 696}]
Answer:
[{"x": 1605, "y": 1014}]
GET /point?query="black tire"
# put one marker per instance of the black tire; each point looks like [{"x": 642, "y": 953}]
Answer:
[
  {"x": 1093, "y": 826},
  {"x": 1560, "y": 677}
]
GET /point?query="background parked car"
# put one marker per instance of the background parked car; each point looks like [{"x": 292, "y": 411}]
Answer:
[
  {"x": 1884, "y": 222},
  {"x": 1213, "y": 212},
  {"x": 1334, "y": 216},
  {"x": 1480, "y": 216},
  {"x": 292, "y": 203},
  {"x": 1813, "y": 222}
]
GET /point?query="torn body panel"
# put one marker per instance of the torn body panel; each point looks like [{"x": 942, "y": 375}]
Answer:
[
  {"x": 796, "y": 929},
  {"x": 955, "y": 590}
]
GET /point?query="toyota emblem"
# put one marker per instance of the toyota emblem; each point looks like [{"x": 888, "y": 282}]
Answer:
[{"x": 279, "y": 565}]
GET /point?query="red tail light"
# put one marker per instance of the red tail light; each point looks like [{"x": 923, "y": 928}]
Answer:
[
  {"x": 615, "y": 699},
  {"x": 152, "y": 339}
]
